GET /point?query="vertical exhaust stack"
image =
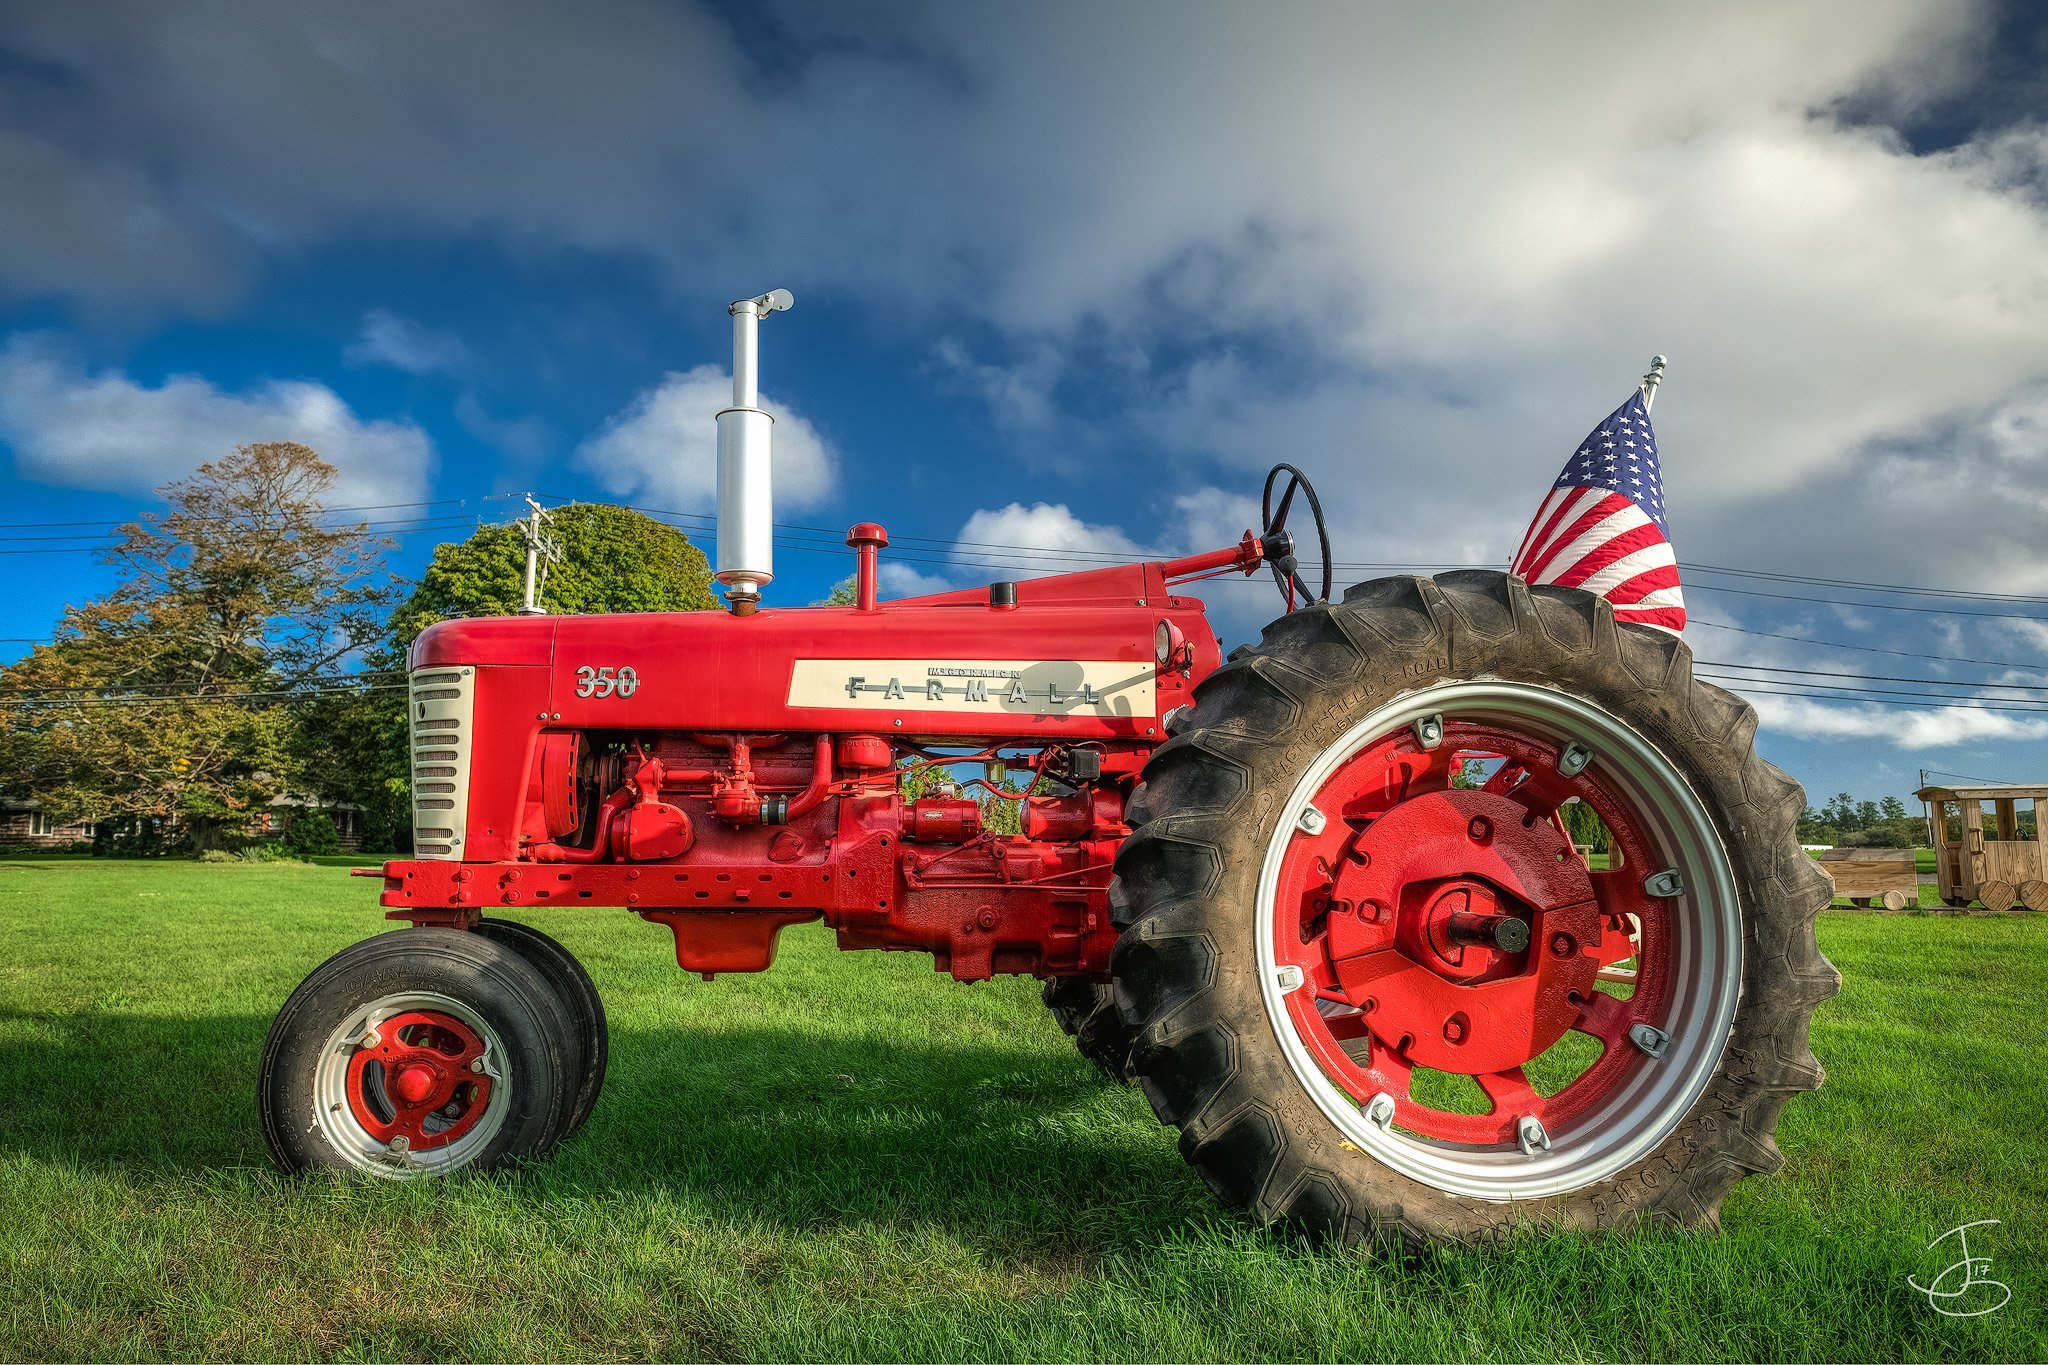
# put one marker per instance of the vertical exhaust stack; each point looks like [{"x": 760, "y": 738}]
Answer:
[{"x": 746, "y": 500}]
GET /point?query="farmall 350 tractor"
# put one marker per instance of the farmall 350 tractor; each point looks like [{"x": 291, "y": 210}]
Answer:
[{"x": 1315, "y": 899}]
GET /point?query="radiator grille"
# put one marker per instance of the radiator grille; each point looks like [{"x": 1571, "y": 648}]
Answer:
[{"x": 439, "y": 707}]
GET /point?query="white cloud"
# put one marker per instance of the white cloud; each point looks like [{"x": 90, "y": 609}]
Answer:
[
  {"x": 1902, "y": 729},
  {"x": 664, "y": 447},
  {"x": 401, "y": 343},
  {"x": 1019, "y": 395},
  {"x": 897, "y": 579},
  {"x": 1415, "y": 249},
  {"x": 522, "y": 440},
  {"x": 105, "y": 430},
  {"x": 96, "y": 228},
  {"x": 1041, "y": 539}
]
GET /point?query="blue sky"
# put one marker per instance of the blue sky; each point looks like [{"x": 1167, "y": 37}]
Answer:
[{"x": 1071, "y": 276}]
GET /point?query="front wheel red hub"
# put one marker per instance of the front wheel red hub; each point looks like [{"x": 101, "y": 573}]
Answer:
[{"x": 1442, "y": 963}]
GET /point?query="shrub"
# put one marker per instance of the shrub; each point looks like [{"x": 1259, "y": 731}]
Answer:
[{"x": 312, "y": 831}]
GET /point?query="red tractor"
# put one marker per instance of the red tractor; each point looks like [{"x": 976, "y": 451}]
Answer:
[{"x": 1317, "y": 899}]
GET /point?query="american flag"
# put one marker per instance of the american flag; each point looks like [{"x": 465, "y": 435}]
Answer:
[{"x": 1602, "y": 528}]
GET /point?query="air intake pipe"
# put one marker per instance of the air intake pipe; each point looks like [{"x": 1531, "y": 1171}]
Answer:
[{"x": 746, "y": 501}]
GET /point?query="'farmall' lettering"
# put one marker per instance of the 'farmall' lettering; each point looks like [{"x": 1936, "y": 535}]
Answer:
[{"x": 1043, "y": 687}]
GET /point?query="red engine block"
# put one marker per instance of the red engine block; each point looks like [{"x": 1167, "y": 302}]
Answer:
[
  {"x": 884, "y": 871},
  {"x": 729, "y": 775}
]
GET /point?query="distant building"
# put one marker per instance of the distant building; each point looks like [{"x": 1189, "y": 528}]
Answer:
[{"x": 24, "y": 824}]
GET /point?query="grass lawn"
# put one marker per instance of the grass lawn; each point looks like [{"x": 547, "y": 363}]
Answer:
[{"x": 849, "y": 1156}]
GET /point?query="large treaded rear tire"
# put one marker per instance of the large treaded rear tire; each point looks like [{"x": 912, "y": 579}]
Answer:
[
  {"x": 1204, "y": 1047},
  {"x": 1086, "y": 1009}
]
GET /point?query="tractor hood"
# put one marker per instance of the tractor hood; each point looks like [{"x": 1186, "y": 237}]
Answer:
[{"x": 925, "y": 667}]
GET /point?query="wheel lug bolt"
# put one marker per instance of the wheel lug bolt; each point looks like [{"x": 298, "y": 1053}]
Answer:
[
  {"x": 1562, "y": 945},
  {"x": 1481, "y": 829},
  {"x": 1454, "y": 1032}
]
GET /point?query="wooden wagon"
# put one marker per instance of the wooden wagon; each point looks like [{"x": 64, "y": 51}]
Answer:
[
  {"x": 1998, "y": 861},
  {"x": 1874, "y": 876}
]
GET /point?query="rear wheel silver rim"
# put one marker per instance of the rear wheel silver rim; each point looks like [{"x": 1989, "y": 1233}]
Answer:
[{"x": 1707, "y": 957}]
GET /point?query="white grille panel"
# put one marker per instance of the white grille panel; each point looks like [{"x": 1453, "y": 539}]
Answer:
[{"x": 439, "y": 709}]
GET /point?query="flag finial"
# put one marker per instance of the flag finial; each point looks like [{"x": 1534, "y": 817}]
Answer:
[{"x": 1651, "y": 380}]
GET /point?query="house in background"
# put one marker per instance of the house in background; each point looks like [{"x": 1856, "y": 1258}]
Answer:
[{"x": 24, "y": 824}]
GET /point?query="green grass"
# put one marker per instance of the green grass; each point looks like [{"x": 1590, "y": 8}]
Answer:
[{"x": 850, "y": 1157}]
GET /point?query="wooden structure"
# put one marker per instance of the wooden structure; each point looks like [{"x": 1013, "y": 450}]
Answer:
[
  {"x": 1994, "y": 857},
  {"x": 1874, "y": 876}
]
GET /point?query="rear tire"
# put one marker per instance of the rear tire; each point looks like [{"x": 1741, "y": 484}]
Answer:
[
  {"x": 573, "y": 986},
  {"x": 1086, "y": 1009},
  {"x": 1236, "y": 1049},
  {"x": 419, "y": 1052}
]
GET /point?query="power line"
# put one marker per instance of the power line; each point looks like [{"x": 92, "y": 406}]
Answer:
[
  {"x": 392, "y": 529},
  {"x": 185, "y": 689},
  {"x": 1873, "y": 677},
  {"x": 1866, "y": 649},
  {"x": 325, "y": 511},
  {"x": 168, "y": 698},
  {"x": 1865, "y": 586},
  {"x": 1751, "y": 687},
  {"x": 1999, "y": 703}
]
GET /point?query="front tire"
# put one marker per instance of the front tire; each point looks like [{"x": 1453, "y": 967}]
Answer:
[
  {"x": 572, "y": 986},
  {"x": 1360, "y": 956},
  {"x": 415, "y": 1053}
]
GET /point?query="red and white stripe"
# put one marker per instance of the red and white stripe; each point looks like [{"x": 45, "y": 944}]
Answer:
[{"x": 1601, "y": 541}]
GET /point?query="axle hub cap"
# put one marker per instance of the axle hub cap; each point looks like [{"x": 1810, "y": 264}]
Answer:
[{"x": 415, "y": 1082}]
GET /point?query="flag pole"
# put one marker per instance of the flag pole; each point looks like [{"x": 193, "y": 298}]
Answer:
[{"x": 1652, "y": 380}]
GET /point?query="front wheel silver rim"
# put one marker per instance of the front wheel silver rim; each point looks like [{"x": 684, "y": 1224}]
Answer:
[{"x": 363, "y": 1150}]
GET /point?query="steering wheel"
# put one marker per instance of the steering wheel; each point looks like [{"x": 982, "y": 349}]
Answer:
[{"x": 1278, "y": 541}]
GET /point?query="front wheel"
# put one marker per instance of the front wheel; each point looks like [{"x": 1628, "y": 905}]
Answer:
[
  {"x": 1378, "y": 987},
  {"x": 414, "y": 1053}
]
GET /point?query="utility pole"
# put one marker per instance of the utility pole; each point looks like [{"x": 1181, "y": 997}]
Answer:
[{"x": 541, "y": 551}]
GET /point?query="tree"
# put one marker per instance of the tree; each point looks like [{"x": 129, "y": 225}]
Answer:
[
  {"x": 843, "y": 594},
  {"x": 351, "y": 747},
  {"x": 169, "y": 701},
  {"x": 613, "y": 559}
]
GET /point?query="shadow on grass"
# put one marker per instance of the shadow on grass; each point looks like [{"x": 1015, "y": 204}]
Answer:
[{"x": 744, "y": 1122}]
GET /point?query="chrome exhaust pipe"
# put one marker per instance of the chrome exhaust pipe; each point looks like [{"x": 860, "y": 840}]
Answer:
[{"x": 746, "y": 498}]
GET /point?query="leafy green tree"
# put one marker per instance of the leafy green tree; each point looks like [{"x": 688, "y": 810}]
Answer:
[
  {"x": 1584, "y": 825},
  {"x": 168, "y": 703},
  {"x": 613, "y": 559},
  {"x": 843, "y": 594},
  {"x": 351, "y": 746}
]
